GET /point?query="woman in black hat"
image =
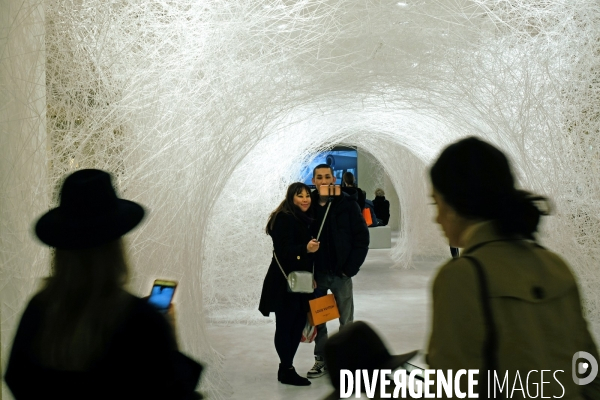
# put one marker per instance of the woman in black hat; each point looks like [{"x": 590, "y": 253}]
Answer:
[
  {"x": 82, "y": 335},
  {"x": 506, "y": 304}
]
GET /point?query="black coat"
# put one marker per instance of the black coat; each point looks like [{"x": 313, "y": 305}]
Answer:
[
  {"x": 382, "y": 209},
  {"x": 290, "y": 237},
  {"x": 349, "y": 233},
  {"x": 357, "y": 193},
  {"x": 141, "y": 362}
]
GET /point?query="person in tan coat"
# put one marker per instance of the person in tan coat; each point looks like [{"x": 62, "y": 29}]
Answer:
[{"x": 506, "y": 304}]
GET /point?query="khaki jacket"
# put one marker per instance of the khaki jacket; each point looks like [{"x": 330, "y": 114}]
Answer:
[{"x": 536, "y": 309}]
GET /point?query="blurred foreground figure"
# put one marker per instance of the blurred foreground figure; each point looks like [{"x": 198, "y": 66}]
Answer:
[
  {"x": 359, "y": 347},
  {"x": 506, "y": 304},
  {"x": 83, "y": 336}
]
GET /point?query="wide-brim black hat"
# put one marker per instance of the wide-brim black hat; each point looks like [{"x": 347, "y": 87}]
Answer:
[
  {"x": 89, "y": 214},
  {"x": 358, "y": 346}
]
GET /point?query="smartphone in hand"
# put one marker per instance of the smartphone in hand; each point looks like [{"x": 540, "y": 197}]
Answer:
[
  {"x": 330, "y": 190},
  {"x": 162, "y": 294}
]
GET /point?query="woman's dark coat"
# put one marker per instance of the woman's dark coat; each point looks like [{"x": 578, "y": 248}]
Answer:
[
  {"x": 140, "y": 362},
  {"x": 290, "y": 236}
]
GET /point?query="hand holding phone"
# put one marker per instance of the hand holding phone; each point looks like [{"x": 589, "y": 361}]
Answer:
[{"x": 162, "y": 294}]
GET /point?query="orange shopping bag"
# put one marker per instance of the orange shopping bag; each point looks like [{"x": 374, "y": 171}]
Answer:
[
  {"x": 367, "y": 216},
  {"x": 323, "y": 309}
]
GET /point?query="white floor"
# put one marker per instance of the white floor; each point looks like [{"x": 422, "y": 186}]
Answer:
[{"x": 394, "y": 301}]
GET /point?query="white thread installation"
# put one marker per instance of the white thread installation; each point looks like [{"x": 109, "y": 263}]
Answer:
[{"x": 205, "y": 110}]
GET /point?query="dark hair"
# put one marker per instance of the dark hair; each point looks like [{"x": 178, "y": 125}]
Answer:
[
  {"x": 348, "y": 178},
  {"x": 287, "y": 206},
  {"x": 322, "y": 166},
  {"x": 85, "y": 302},
  {"x": 475, "y": 178}
]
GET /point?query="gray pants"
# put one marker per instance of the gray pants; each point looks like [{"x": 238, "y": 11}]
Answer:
[{"x": 341, "y": 287}]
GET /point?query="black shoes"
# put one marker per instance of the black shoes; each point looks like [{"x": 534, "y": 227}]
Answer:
[{"x": 289, "y": 376}]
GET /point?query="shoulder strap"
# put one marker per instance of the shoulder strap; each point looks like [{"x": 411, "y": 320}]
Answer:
[
  {"x": 281, "y": 268},
  {"x": 490, "y": 345}
]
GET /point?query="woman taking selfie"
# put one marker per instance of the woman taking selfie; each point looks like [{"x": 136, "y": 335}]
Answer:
[
  {"x": 288, "y": 225},
  {"x": 82, "y": 335},
  {"x": 506, "y": 304}
]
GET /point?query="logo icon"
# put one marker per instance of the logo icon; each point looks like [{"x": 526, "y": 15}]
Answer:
[{"x": 582, "y": 367}]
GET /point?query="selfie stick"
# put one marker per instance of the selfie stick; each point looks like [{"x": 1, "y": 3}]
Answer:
[
  {"x": 329, "y": 199},
  {"x": 325, "y": 217}
]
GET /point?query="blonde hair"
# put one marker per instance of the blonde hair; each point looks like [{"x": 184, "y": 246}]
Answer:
[
  {"x": 83, "y": 301},
  {"x": 379, "y": 192}
]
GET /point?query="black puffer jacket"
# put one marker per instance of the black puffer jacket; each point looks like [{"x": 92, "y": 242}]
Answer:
[
  {"x": 290, "y": 237},
  {"x": 349, "y": 233}
]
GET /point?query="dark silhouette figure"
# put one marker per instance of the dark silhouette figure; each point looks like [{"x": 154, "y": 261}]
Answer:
[{"x": 82, "y": 335}]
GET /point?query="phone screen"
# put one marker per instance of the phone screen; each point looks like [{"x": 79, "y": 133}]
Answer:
[{"x": 162, "y": 294}]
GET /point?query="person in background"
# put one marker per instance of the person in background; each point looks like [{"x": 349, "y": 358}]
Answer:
[
  {"x": 289, "y": 228},
  {"x": 382, "y": 207},
  {"x": 344, "y": 243},
  {"x": 83, "y": 335},
  {"x": 454, "y": 251},
  {"x": 349, "y": 187},
  {"x": 506, "y": 304}
]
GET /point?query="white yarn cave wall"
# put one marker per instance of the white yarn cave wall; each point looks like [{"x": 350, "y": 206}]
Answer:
[
  {"x": 204, "y": 111},
  {"x": 23, "y": 161}
]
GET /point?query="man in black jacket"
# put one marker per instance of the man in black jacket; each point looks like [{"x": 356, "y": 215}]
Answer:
[{"x": 344, "y": 243}]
